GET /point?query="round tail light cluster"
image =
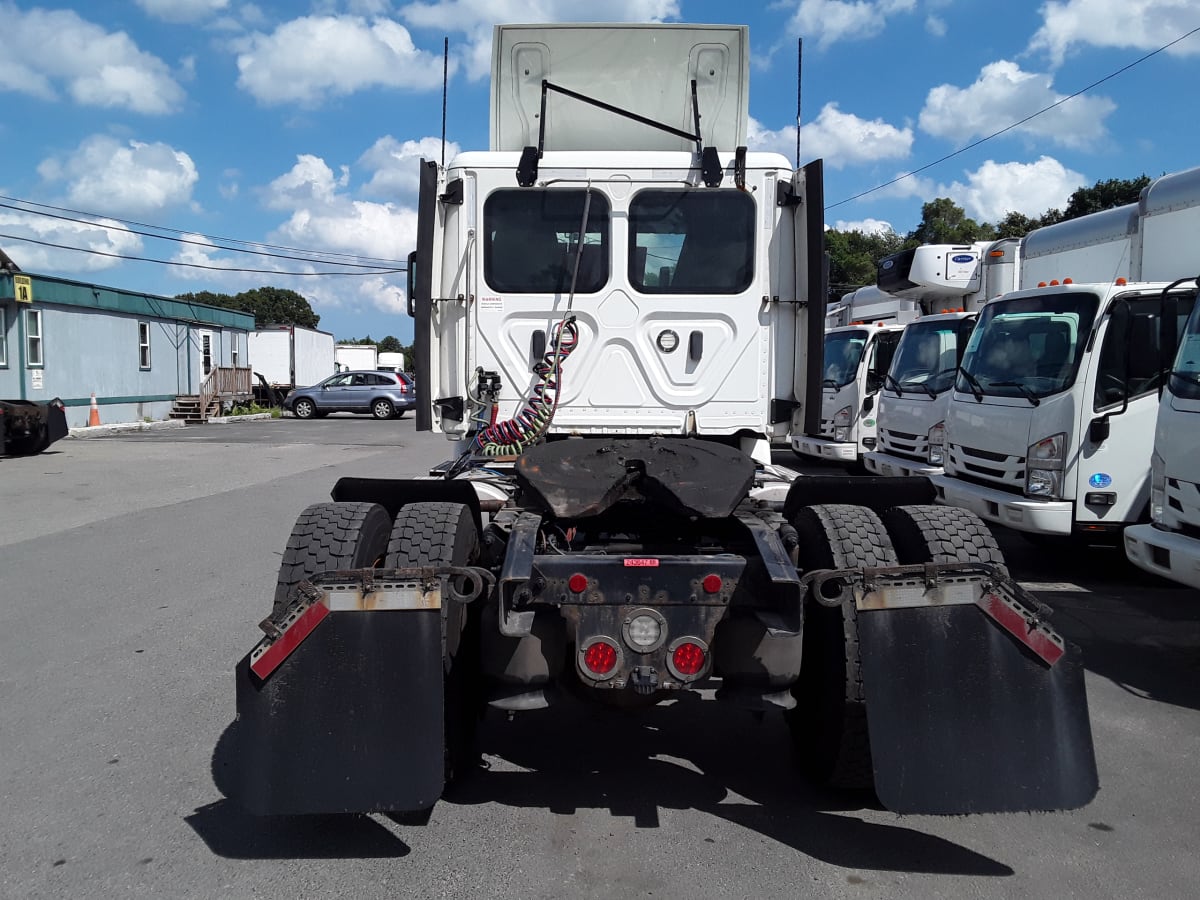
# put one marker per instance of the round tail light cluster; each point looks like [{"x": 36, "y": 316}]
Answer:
[
  {"x": 687, "y": 658},
  {"x": 599, "y": 658}
]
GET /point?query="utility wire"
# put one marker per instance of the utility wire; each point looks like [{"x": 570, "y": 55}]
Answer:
[
  {"x": 994, "y": 134},
  {"x": 168, "y": 262},
  {"x": 206, "y": 244},
  {"x": 228, "y": 240}
]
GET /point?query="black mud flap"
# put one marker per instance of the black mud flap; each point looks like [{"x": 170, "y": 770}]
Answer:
[
  {"x": 56, "y": 421},
  {"x": 350, "y": 722},
  {"x": 964, "y": 718}
]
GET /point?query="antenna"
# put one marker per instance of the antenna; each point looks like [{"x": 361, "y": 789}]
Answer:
[
  {"x": 445, "y": 83},
  {"x": 799, "y": 69}
]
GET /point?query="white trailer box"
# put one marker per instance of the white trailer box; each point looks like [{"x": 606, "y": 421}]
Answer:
[
  {"x": 1097, "y": 248},
  {"x": 1170, "y": 221},
  {"x": 357, "y": 357},
  {"x": 291, "y": 355},
  {"x": 393, "y": 361}
]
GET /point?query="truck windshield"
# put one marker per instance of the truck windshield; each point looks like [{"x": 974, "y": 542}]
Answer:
[
  {"x": 531, "y": 240},
  {"x": 843, "y": 351},
  {"x": 1029, "y": 346},
  {"x": 691, "y": 241},
  {"x": 927, "y": 357},
  {"x": 1185, "y": 375}
]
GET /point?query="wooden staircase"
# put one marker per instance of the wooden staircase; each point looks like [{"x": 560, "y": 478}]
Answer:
[
  {"x": 222, "y": 384},
  {"x": 188, "y": 407}
]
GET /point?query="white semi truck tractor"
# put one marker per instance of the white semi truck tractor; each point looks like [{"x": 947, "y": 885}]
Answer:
[{"x": 617, "y": 308}]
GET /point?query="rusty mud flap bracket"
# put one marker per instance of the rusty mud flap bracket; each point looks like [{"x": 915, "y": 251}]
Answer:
[
  {"x": 340, "y": 706},
  {"x": 974, "y": 703}
]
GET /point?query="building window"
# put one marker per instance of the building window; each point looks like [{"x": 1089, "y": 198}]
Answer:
[
  {"x": 144, "y": 345},
  {"x": 3, "y": 338},
  {"x": 33, "y": 338},
  {"x": 233, "y": 350}
]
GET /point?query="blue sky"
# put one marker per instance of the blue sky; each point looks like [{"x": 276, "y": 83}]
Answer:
[{"x": 300, "y": 125}]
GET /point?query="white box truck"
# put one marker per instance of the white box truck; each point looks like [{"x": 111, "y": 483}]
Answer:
[
  {"x": 1051, "y": 421},
  {"x": 950, "y": 282},
  {"x": 290, "y": 356},
  {"x": 1169, "y": 544},
  {"x": 357, "y": 357}
]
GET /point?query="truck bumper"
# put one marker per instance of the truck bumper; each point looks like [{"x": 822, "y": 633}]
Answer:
[
  {"x": 895, "y": 466},
  {"x": 824, "y": 448},
  {"x": 1165, "y": 553},
  {"x": 1020, "y": 513}
]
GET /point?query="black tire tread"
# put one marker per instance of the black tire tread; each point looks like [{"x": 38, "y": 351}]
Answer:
[
  {"x": 332, "y": 536},
  {"x": 941, "y": 534},
  {"x": 441, "y": 533},
  {"x": 838, "y": 750}
]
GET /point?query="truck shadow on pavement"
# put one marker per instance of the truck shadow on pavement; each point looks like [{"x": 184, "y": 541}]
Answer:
[{"x": 697, "y": 755}]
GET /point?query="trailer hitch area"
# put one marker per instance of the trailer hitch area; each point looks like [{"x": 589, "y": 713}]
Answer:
[
  {"x": 983, "y": 585},
  {"x": 362, "y": 590}
]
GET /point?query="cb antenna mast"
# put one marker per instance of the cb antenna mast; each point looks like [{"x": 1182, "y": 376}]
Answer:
[
  {"x": 799, "y": 69},
  {"x": 445, "y": 83}
]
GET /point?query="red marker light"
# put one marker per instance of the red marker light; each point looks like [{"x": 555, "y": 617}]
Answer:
[
  {"x": 711, "y": 584},
  {"x": 688, "y": 658},
  {"x": 601, "y": 657},
  {"x": 577, "y": 583}
]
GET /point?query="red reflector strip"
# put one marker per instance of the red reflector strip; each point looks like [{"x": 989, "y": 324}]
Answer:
[
  {"x": 641, "y": 563},
  {"x": 289, "y": 640},
  {"x": 1047, "y": 645}
]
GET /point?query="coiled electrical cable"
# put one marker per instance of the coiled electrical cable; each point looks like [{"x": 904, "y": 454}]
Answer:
[{"x": 530, "y": 424}]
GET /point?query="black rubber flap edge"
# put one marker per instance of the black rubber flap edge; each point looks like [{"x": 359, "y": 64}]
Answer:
[
  {"x": 585, "y": 477},
  {"x": 965, "y": 719},
  {"x": 351, "y": 722}
]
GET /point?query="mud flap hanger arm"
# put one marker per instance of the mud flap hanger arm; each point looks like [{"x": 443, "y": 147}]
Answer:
[
  {"x": 710, "y": 162},
  {"x": 982, "y": 585}
]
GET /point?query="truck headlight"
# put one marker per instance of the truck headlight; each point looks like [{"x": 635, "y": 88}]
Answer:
[
  {"x": 1044, "y": 463},
  {"x": 937, "y": 441},
  {"x": 1158, "y": 487},
  {"x": 841, "y": 423}
]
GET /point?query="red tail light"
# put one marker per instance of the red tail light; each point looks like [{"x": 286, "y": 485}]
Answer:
[
  {"x": 577, "y": 583},
  {"x": 688, "y": 658},
  {"x": 711, "y": 584},
  {"x": 600, "y": 657}
]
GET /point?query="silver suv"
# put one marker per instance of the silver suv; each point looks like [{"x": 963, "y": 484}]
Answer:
[{"x": 382, "y": 394}]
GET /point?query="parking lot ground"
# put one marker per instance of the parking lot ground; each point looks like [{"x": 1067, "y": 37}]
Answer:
[{"x": 134, "y": 569}]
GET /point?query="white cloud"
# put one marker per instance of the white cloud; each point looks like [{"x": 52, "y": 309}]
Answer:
[
  {"x": 103, "y": 173},
  {"x": 93, "y": 237},
  {"x": 1137, "y": 24},
  {"x": 51, "y": 51},
  {"x": 866, "y": 226},
  {"x": 1004, "y": 94},
  {"x": 830, "y": 21},
  {"x": 841, "y": 139},
  {"x": 310, "y": 180},
  {"x": 475, "y": 19},
  {"x": 396, "y": 165},
  {"x": 308, "y": 59},
  {"x": 182, "y": 11},
  {"x": 935, "y": 25},
  {"x": 996, "y": 189}
]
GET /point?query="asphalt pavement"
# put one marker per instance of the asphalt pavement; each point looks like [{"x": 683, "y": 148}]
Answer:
[{"x": 135, "y": 568}]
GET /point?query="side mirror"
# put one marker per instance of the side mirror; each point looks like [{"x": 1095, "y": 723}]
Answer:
[{"x": 1099, "y": 430}]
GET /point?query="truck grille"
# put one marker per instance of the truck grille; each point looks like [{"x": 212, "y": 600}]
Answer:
[
  {"x": 902, "y": 444},
  {"x": 1183, "y": 502},
  {"x": 987, "y": 467},
  {"x": 827, "y": 428}
]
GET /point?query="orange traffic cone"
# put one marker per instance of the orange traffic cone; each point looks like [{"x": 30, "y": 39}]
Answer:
[{"x": 94, "y": 415}]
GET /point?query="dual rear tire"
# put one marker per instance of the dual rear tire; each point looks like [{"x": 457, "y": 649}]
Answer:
[
  {"x": 829, "y": 722},
  {"x": 353, "y": 535}
]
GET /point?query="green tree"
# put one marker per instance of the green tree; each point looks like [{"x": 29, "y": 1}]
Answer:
[
  {"x": 390, "y": 344},
  {"x": 1104, "y": 195},
  {"x": 269, "y": 305},
  {"x": 945, "y": 222},
  {"x": 853, "y": 256},
  {"x": 1015, "y": 225}
]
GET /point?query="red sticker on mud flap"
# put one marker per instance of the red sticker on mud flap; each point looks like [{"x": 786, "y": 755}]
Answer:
[
  {"x": 1035, "y": 638},
  {"x": 641, "y": 563}
]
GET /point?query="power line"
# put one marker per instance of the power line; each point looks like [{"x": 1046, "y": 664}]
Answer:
[
  {"x": 994, "y": 134},
  {"x": 168, "y": 262},
  {"x": 209, "y": 237},
  {"x": 207, "y": 244}
]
